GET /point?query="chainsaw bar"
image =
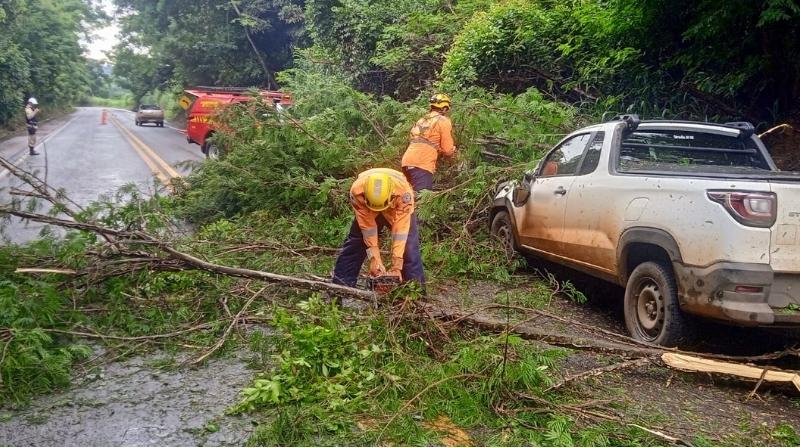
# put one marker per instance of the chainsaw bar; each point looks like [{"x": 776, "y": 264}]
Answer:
[{"x": 383, "y": 284}]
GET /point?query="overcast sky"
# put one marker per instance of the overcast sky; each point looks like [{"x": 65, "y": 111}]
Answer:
[{"x": 103, "y": 39}]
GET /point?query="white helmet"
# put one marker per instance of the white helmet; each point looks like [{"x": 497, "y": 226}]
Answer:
[{"x": 33, "y": 101}]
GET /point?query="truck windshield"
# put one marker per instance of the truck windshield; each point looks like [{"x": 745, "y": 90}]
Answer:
[
  {"x": 149, "y": 107},
  {"x": 688, "y": 151}
]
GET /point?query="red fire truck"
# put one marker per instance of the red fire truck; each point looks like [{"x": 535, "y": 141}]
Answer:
[{"x": 202, "y": 103}]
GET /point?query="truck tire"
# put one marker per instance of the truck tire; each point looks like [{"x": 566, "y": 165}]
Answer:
[
  {"x": 652, "y": 311},
  {"x": 503, "y": 230},
  {"x": 161, "y": 124},
  {"x": 212, "y": 151}
]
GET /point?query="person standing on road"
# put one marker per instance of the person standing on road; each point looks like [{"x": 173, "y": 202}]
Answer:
[
  {"x": 431, "y": 135},
  {"x": 381, "y": 197},
  {"x": 32, "y": 123}
]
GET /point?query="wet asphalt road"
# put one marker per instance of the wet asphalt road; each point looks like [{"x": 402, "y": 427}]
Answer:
[{"x": 88, "y": 159}]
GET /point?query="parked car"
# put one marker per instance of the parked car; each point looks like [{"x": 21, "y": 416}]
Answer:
[
  {"x": 149, "y": 113},
  {"x": 692, "y": 219},
  {"x": 201, "y": 103}
]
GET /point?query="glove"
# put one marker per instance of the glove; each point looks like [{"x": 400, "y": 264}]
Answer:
[
  {"x": 376, "y": 266},
  {"x": 395, "y": 272},
  {"x": 397, "y": 263}
]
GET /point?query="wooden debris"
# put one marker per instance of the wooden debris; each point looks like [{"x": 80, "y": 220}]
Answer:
[
  {"x": 629, "y": 364},
  {"x": 780, "y": 127},
  {"x": 659, "y": 434},
  {"x": 695, "y": 364},
  {"x": 45, "y": 271}
]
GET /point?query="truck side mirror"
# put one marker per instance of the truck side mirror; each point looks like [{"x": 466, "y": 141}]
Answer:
[{"x": 520, "y": 195}]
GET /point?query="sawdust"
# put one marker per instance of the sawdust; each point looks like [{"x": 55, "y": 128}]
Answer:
[
  {"x": 453, "y": 435},
  {"x": 367, "y": 424}
]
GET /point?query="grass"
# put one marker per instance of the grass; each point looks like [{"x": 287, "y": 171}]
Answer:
[{"x": 412, "y": 385}]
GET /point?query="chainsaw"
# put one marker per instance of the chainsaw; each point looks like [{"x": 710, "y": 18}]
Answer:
[{"x": 383, "y": 284}]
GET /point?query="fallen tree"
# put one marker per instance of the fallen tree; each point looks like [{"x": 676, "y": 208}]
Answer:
[
  {"x": 162, "y": 255},
  {"x": 125, "y": 251}
]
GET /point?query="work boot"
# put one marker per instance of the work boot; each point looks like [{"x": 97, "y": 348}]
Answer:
[{"x": 32, "y": 152}]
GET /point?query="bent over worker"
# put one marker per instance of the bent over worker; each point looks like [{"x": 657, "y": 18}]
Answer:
[
  {"x": 431, "y": 136},
  {"x": 381, "y": 197}
]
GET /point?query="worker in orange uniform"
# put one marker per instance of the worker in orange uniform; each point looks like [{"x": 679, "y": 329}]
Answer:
[
  {"x": 381, "y": 197},
  {"x": 431, "y": 135}
]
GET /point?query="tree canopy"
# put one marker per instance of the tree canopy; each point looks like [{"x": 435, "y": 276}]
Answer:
[
  {"x": 41, "y": 54},
  {"x": 206, "y": 42},
  {"x": 689, "y": 59},
  {"x": 685, "y": 58}
]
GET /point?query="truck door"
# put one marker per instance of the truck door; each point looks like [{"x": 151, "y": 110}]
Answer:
[
  {"x": 585, "y": 238},
  {"x": 543, "y": 222}
]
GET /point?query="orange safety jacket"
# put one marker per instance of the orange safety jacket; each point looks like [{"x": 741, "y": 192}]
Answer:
[
  {"x": 398, "y": 215},
  {"x": 431, "y": 135}
]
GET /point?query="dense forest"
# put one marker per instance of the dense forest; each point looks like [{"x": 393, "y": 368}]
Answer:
[
  {"x": 680, "y": 59},
  {"x": 693, "y": 59},
  {"x": 41, "y": 53}
]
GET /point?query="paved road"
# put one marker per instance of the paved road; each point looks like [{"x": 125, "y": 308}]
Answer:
[{"x": 88, "y": 158}]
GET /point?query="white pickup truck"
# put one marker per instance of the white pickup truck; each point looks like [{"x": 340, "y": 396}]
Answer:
[{"x": 693, "y": 219}]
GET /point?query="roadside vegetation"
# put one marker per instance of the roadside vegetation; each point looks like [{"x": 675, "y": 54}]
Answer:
[
  {"x": 40, "y": 54},
  {"x": 521, "y": 74}
]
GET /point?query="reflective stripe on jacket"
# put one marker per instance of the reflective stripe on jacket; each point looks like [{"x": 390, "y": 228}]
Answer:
[
  {"x": 398, "y": 215},
  {"x": 431, "y": 135}
]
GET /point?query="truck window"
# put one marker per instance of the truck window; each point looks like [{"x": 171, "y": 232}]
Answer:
[
  {"x": 687, "y": 151},
  {"x": 564, "y": 160},
  {"x": 593, "y": 154}
]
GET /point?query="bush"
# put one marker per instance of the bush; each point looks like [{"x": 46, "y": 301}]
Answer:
[{"x": 32, "y": 359}]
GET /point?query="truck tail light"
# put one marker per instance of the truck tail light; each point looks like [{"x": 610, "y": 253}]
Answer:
[{"x": 748, "y": 208}]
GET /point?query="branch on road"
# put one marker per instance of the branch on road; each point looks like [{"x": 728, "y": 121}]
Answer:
[
  {"x": 192, "y": 262},
  {"x": 133, "y": 250},
  {"x": 43, "y": 190}
]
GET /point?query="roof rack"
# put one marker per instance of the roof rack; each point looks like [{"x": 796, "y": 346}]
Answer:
[
  {"x": 746, "y": 127},
  {"x": 223, "y": 89},
  {"x": 631, "y": 120}
]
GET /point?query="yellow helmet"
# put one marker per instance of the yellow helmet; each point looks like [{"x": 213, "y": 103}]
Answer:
[
  {"x": 378, "y": 191},
  {"x": 440, "y": 100}
]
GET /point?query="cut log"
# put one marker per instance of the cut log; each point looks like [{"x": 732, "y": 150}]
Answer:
[
  {"x": 45, "y": 271},
  {"x": 694, "y": 364}
]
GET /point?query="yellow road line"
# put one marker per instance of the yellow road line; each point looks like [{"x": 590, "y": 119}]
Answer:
[
  {"x": 164, "y": 165},
  {"x": 150, "y": 164},
  {"x": 157, "y": 165}
]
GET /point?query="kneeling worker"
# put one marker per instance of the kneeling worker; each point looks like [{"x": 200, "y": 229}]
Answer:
[{"x": 381, "y": 197}]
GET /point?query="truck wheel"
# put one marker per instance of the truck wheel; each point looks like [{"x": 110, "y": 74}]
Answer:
[
  {"x": 503, "y": 231},
  {"x": 652, "y": 312},
  {"x": 161, "y": 124},
  {"x": 212, "y": 151}
]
